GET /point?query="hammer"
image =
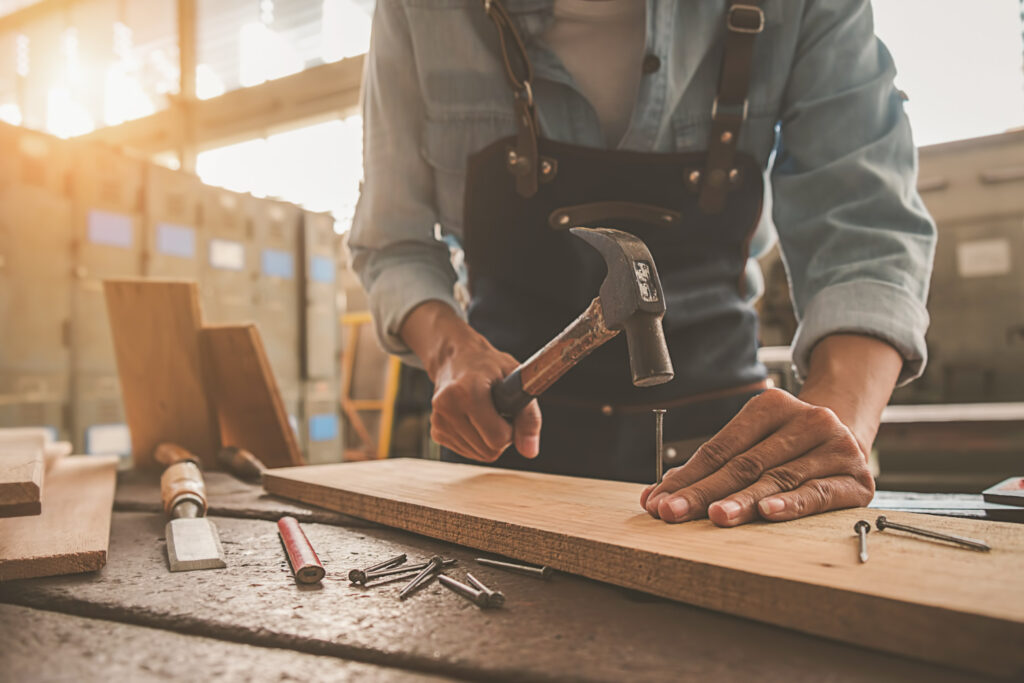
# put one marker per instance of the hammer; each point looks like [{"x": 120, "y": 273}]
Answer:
[{"x": 630, "y": 299}]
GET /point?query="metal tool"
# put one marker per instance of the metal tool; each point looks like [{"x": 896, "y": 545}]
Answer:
[
  {"x": 359, "y": 575},
  {"x": 494, "y": 598},
  {"x": 630, "y": 299},
  {"x": 659, "y": 421},
  {"x": 973, "y": 543},
  {"x": 407, "y": 569},
  {"x": 431, "y": 570},
  {"x": 474, "y": 595},
  {"x": 305, "y": 564},
  {"x": 192, "y": 540},
  {"x": 862, "y": 528},
  {"x": 241, "y": 463},
  {"x": 541, "y": 572}
]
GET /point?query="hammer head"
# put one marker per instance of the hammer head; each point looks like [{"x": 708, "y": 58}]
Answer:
[{"x": 632, "y": 300}]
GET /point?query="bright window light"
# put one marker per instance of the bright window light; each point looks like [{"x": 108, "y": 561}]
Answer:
[
  {"x": 345, "y": 30},
  {"x": 10, "y": 113},
  {"x": 264, "y": 55},
  {"x": 65, "y": 117},
  {"x": 208, "y": 83},
  {"x": 959, "y": 62}
]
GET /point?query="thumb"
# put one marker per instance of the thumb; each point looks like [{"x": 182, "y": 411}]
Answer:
[{"x": 527, "y": 430}]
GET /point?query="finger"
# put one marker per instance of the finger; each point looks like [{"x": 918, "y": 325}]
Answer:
[
  {"x": 645, "y": 494},
  {"x": 485, "y": 451},
  {"x": 495, "y": 432},
  {"x": 796, "y": 438},
  {"x": 814, "y": 496},
  {"x": 527, "y": 430},
  {"x": 443, "y": 432},
  {"x": 826, "y": 461},
  {"x": 760, "y": 417}
]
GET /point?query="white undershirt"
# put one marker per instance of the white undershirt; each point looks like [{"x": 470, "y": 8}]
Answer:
[{"x": 601, "y": 43}]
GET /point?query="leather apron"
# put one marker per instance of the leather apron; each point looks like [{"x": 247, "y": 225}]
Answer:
[{"x": 529, "y": 277}]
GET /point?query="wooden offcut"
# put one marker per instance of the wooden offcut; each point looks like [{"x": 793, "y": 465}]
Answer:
[
  {"x": 242, "y": 386},
  {"x": 155, "y": 325},
  {"x": 914, "y": 597},
  {"x": 72, "y": 533},
  {"x": 21, "y": 481}
]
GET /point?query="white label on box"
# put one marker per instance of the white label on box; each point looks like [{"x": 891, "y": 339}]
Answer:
[
  {"x": 983, "y": 258},
  {"x": 227, "y": 254}
]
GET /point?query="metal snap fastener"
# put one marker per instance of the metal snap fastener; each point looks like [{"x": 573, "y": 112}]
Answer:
[
  {"x": 651, "y": 64},
  {"x": 607, "y": 410}
]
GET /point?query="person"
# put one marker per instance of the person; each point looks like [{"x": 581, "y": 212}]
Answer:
[{"x": 705, "y": 128}]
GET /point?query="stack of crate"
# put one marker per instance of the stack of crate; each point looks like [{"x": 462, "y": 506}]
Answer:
[
  {"x": 107, "y": 243},
  {"x": 318, "y": 312},
  {"x": 35, "y": 280}
]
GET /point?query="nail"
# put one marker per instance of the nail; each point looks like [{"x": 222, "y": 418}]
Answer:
[
  {"x": 359, "y": 575},
  {"x": 532, "y": 446},
  {"x": 494, "y": 598},
  {"x": 407, "y": 569},
  {"x": 429, "y": 572},
  {"x": 542, "y": 572},
  {"x": 771, "y": 506},
  {"x": 730, "y": 507},
  {"x": 679, "y": 507},
  {"x": 475, "y": 596}
]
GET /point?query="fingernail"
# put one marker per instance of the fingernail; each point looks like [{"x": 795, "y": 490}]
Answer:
[
  {"x": 771, "y": 506},
  {"x": 730, "y": 507},
  {"x": 532, "y": 446},
  {"x": 679, "y": 507}
]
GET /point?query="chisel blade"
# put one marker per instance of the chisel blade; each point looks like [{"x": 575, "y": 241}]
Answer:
[{"x": 193, "y": 543}]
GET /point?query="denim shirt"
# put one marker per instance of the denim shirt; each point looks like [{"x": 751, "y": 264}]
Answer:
[{"x": 824, "y": 120}]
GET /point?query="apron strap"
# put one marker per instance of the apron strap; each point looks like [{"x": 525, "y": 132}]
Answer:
[
  {"x": 522, "y": 161},
  {"x": 743, "y": 21}
]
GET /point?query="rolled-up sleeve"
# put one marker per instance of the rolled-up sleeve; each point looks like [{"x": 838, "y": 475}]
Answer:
[
  {"x": 392, "y": 242},
  {"x": 856, "y": 239}
]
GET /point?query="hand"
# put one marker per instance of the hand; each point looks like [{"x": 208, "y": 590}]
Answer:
[
  {"x": 464, "y": 418},
  {"x": 464, "y": 366},
  {"x": 780, "y": 458}
]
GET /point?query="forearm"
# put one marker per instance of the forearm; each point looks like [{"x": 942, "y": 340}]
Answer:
[
  {"x": 435, "y": 332},
  {"x": 854, "y": 376}
]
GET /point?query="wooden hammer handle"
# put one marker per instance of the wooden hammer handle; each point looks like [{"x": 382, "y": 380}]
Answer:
[
  {"x": 180, "y": 481},
  {"x": 558, "y": 356}
]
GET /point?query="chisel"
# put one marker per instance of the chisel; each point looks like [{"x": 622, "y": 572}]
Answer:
[{"x": 192, "y": 539}]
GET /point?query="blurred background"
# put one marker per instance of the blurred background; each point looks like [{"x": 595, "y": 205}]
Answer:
[{"x": 220, "y": 140}]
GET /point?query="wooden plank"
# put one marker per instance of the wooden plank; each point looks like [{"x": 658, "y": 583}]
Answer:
[
  {"x": 249, "y": 406},
  {"x": 71, "y": 534},
  {"x": 914, "y": 597},
  {"x": 155, "y": 325},
  {"x": 21, "y": 481}
]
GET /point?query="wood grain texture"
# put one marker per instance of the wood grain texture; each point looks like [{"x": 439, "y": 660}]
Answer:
[
  {"x": 155, "y": 325},
  {"x": 914, "y": 597},
  {"x": 242, "y": 386},
  {"x": 72, "y": 533},
  {"x": 21, "y": 481}
]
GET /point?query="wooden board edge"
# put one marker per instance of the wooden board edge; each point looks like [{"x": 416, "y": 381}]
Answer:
[{"x": 999, "y": 639}]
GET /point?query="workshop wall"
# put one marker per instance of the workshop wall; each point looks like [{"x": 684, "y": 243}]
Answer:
[{"x": 73, "y": 213}]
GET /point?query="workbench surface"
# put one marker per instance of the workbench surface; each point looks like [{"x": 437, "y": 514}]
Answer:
[{"x": 134, "y": 620}]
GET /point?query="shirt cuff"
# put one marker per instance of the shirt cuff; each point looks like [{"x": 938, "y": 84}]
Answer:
[
  {"x": 875, "y": 309},
  {"x": 396, "y": 292}
]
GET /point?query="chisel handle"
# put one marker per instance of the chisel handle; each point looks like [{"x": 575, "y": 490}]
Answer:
[
  {"x": 168, "y": 453},
  {"x": 241, "y": 463},
  {"x": 182, "y": 481}
]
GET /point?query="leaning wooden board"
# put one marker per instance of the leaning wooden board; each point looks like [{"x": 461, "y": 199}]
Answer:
[
  {"x": 155, "y": 326},
  {"x": 914, "y": 597},
  {"x": 72, "y": 533}
]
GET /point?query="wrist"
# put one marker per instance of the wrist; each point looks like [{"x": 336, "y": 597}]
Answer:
[
  {"x": 436, "y": 333},
  {"x": 853, "y": 375}
]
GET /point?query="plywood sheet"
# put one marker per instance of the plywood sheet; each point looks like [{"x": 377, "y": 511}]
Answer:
[
  {"x": 21, "y": 481},
  {"x": 242, "y": 386},
  {"x": 155, "y": 325},
  {"x": 72, "y": 533},
  {"x": 914, "y": 597}
]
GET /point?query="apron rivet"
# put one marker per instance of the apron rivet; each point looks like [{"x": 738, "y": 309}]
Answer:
[
  {"x": 670, "y": 453},
  {"x": 734, "y": 175},
  {"x": 545, "y": 167},
  {"x": 607, "y": 410},
  {"x": 564, "y": 219},
  {"x": 694, "y": 177},
  {"x": 513, "y": 158},
  {"x": 667, "y": 218},
  {"x": 727, "y": 137}
]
